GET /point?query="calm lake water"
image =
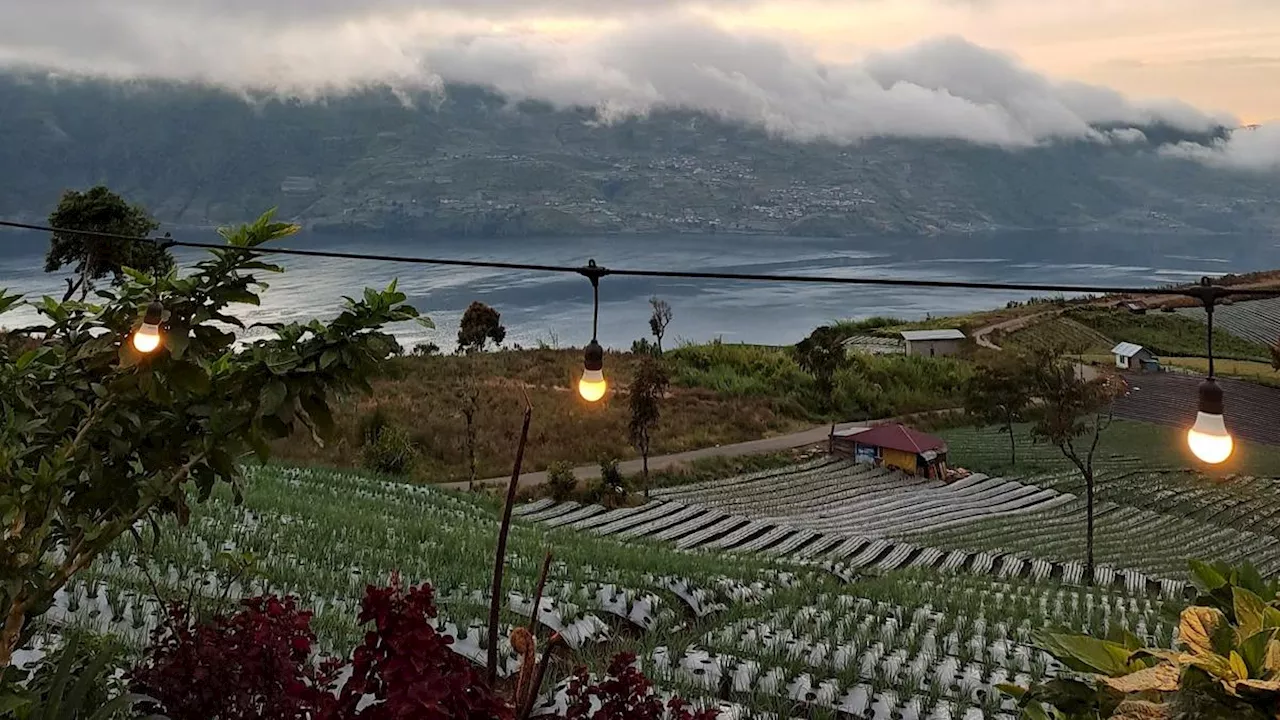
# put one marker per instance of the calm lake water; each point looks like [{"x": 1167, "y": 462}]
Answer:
[{"x": 556, "y": 308}]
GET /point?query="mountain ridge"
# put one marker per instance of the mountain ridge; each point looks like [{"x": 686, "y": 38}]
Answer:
[{"x": 469, "y": 162}]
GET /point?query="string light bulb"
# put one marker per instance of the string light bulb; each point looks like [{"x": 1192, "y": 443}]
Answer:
[
  {"x": 592, "y": 386},
  {"x": 147, "y": 337},
  {"x": 1208, "y": 438}
]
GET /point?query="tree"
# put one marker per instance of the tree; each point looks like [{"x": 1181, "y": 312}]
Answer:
[
  {"x": 97, "y": 439},
  {"x": 648, "y": 387},
  {"x": 467, "y": 392},
  {"x": 1275, "y": 355},
  {"x": 820, "y": 355},
  {"x": 100, "y": 210},
  {"x": 480, "y": 324},
  {"x": 660, "y": 319},
  {"x": 1073, "y": 415},
  {"x": 999, "y": 393}
]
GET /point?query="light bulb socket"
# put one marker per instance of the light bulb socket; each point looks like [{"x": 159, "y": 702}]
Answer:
[
  {"x": 1211, "y": 397},
  {"x": 593, "y": 356},
  {"x": 155, "y": 313}
]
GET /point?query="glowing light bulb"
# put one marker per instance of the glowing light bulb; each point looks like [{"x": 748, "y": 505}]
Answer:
[
  {"x": 592, "y": 386},
  {"x": 147, "y": 337},
  {"x": 1208, "y": 438}
]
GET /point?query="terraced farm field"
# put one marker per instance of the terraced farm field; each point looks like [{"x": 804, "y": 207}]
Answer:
[
  {"x": 1252, "y": 411},
  {"x": 1257, "y": 321},
  {"x": 788, "y": 631},
  {"x": 1056, "y": 331}
]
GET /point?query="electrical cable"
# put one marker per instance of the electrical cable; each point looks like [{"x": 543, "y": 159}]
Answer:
[{"x": 594, "y": 271}]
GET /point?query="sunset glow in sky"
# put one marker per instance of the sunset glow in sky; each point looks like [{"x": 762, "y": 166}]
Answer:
[{"x": 1216, "y": 55}]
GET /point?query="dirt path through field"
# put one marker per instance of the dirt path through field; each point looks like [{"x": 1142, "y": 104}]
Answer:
[
  {"x": 812, "y": 436},
  {"x": 982, "y": 334}
]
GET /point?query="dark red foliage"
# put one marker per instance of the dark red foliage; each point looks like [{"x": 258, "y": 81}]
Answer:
[
  {"x": 253, "y": 665},
  {"x": 408, "y": 666},
  {"x": 625, "y": 694},
  {"x": 257, "y": 665}
]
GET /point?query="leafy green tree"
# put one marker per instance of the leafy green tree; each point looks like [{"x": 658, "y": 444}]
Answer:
[
  {"x": 1074, "y": 412},
  {"x": 659, "y": 320},
  {"x": 93, "y": 258},
  {"x": 1275, "y": 355},
  {"x": 821, "y": 355},
  {"x": 480, "y": 324},
  {"x": 999, "y": 393},
  {"x": 97, "y": 439},
  {"x": 648, "y": 387}
]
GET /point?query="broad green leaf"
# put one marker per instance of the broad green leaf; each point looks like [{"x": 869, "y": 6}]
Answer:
[
  {"x": 177, "y": 343},
  {"x": 1206, "y": 576},
  {"x": 1104, "y": 657},
  {"x": 1249, "y": 610},
  {"x": 271, "y": 397},
  {"x": 1270, "y": 617},
  {"x": 1197, "y": 626},
  {"x": 1254, "y": 651},
  {"x": 1238, "y": 666}
]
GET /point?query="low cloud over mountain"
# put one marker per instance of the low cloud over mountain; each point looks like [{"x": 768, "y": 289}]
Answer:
[{"x": 942, "y": 88}]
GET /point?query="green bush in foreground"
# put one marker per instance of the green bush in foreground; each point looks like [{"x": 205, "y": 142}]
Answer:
[{"x": 1227, "y": 666}]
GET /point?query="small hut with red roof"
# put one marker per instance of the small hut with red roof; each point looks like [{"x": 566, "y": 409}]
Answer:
[{"x": 895, "y": 446}]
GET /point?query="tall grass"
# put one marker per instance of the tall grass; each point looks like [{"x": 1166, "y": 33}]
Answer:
[
  {"x": 866, "y": 387},
  {"x": 1166, "y": 333}
]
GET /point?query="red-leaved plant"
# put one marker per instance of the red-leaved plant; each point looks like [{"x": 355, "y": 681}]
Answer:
[
  {"x": 408, "y": 666},
  {"x": 253, "y": 665},
  {"x": 624, "y": 694},
  {"x": 259, "y": 664}
]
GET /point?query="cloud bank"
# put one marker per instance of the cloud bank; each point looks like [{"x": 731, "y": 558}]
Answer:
[
  {"x": 940, "y": 88},
  {"x": 1255, "y": 148}
]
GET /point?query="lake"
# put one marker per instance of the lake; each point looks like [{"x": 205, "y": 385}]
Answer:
[{"x": 556, "y": 308}]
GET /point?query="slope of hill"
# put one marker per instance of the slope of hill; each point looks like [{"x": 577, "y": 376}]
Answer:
[{"x": 469, "y": 163}]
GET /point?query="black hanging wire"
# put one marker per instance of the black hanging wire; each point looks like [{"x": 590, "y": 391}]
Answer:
[{"x": 595, "y": 272}]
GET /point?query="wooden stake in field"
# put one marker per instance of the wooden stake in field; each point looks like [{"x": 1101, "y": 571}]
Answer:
[{"x": 499, "y": 557}]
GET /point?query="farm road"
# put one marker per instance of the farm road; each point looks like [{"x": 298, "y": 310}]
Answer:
[{"x": 800, "y": 439}]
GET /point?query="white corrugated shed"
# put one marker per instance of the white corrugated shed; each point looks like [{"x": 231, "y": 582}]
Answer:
[
  {"x": 1126, "y": 349},
  {"x": 920, "y": 335}
]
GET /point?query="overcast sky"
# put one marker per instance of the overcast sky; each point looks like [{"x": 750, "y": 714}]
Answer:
[{"x": 1004, "y": 72}]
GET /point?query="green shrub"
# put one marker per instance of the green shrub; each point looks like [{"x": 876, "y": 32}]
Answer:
[
  {"x": 561, "y": 482},
  {"x": 611, "y": 488},
  {"x": 644, "y": 346},
  {"x": 390, "y": 451}
]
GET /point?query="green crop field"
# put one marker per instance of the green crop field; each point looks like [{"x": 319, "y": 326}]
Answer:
[
  {"x": 1166, "y": 333},
  {"x": 758, "y": 634},
  {"x": 1059, "y": 331}
]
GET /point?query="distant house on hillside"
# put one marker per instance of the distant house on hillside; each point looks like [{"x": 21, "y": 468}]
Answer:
[
  {"x": 894, "y": 446},
  {"x": 1135, "y": 357},
  {"x": 1137, "y": 307},
  {"x": 933, "y": 342}
]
